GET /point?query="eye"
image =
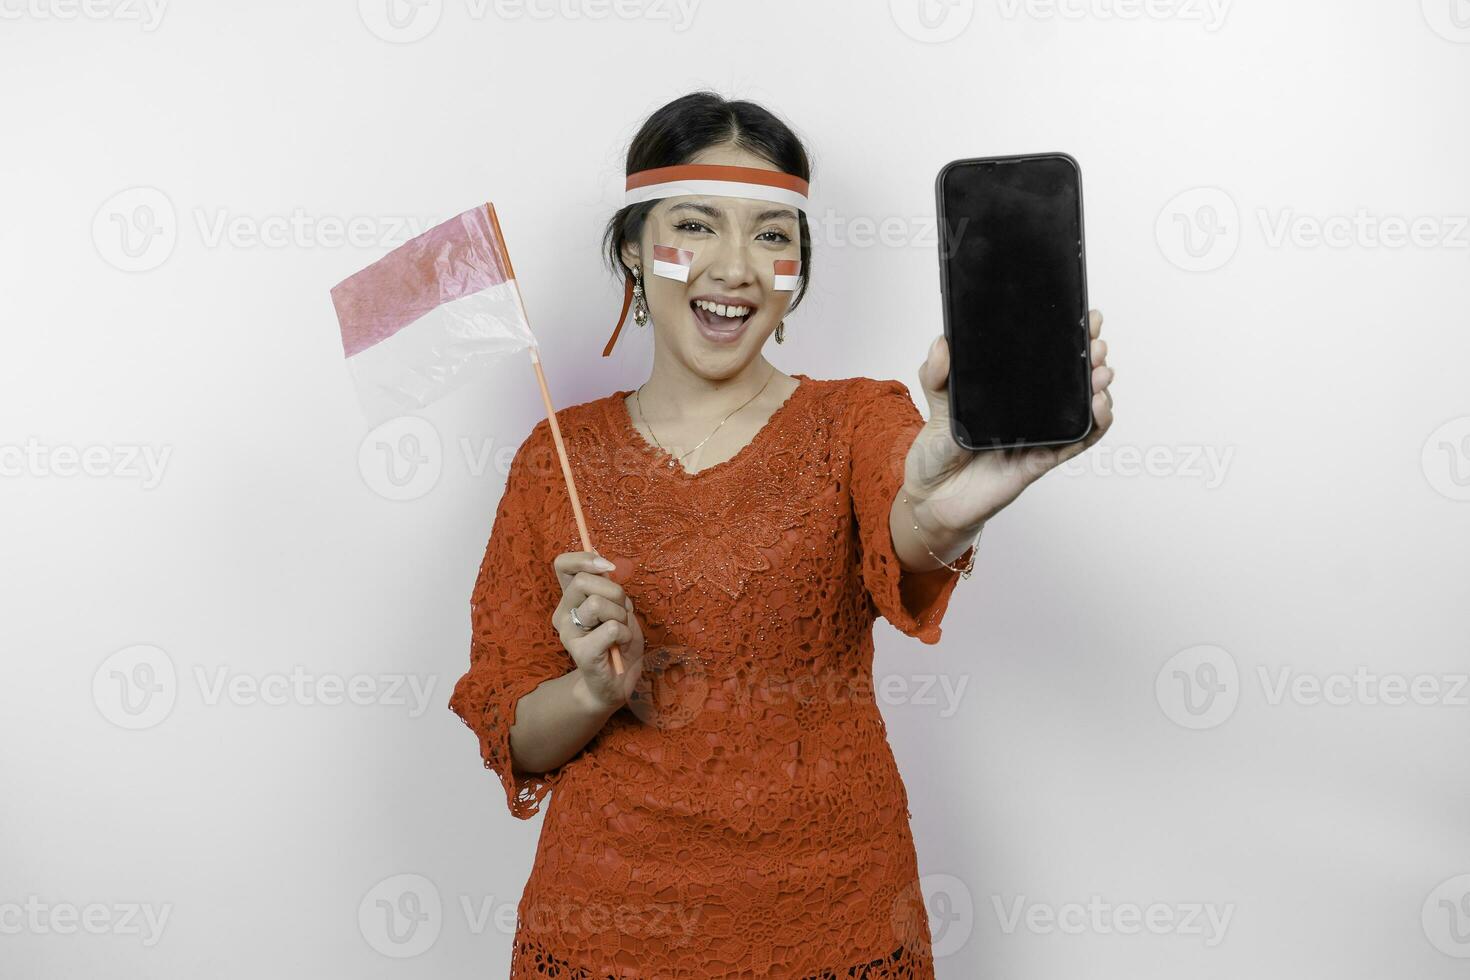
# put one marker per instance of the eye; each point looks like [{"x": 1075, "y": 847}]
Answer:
[
  {"x": 781, "y": 236},
  {"x": 689, "y": 224}
]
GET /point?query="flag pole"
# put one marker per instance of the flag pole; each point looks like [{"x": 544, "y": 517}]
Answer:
[{"x": 561, "y": 449}]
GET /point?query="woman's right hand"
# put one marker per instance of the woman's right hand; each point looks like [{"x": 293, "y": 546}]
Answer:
[{"x": 601, "y": 605}]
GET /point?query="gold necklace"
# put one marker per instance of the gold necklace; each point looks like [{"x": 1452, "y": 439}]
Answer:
[{"x": 676, "y": 460}]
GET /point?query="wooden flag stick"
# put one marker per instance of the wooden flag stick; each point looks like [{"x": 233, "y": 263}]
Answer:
[
  {"x": 561, "y": 449},
  {"x": 566, "y": 472}
]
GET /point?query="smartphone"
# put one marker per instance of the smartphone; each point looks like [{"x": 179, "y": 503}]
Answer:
[{"x": 1013, "y": 285}]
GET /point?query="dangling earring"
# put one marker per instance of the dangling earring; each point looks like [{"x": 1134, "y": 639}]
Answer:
[
  {"x": 781, "y": 332},
  {"x": 640, "y": 308}
]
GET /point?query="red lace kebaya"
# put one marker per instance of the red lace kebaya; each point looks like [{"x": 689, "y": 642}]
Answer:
[{"x": 743, "y": 815}]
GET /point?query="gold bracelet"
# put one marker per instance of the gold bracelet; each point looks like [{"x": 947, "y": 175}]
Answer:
[{"x": 969, "y": 566}]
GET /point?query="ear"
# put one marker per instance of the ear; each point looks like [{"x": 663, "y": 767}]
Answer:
[{"x": 629, "y": 254}]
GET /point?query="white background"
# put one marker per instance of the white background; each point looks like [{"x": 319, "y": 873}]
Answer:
[{"x": 1081, "y": 762}]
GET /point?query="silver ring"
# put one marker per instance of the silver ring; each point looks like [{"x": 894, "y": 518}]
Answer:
[{"x": 578, "y": 621}]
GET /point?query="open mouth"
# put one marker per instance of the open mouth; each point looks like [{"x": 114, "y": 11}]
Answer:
[{"x": 713, "y": 320}]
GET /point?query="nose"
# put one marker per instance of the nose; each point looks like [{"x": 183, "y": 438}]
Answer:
[{"x": 732, "y": 265}]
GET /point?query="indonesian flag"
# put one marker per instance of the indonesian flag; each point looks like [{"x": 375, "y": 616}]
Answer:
[
  {"x": 786, "y": 275},
  {"x": 434, "y": 313},
  {"x": 672, "y": 263},
  {"x": 431, "y": 315}
]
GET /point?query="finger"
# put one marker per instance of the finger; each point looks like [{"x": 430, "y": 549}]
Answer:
[
  {"x": 635, "y": 632},
  {"x": 587, "y": 613},
  {"x": 1099, "y": 352},
  {"x": 595, "y": 610},
  {"x": 1094, "y": 323},
  {"x": 569, "y": 563},
  {"x": 584, "y": 584},
  {"x": 634, "y": 627},
  {"x": 1101, "y": 378},
  {"x": 594, "y": 644},
  {"x": 1102, "y": 414},
  {"x": 934, "y": 380}
]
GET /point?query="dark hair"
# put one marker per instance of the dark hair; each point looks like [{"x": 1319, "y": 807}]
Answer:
[{"x": 679, "y": 131}]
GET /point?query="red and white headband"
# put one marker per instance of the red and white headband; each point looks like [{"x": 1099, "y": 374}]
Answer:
[{"x": 712, "y": 179}]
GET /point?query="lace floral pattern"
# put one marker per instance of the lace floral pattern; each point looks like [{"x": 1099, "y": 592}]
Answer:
[{"x": 743, "y": 815}]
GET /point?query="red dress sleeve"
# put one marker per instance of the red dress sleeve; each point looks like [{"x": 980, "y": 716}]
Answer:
[
  {"x": 513, "y": 646},
  {"x": 884, "y": 424}
]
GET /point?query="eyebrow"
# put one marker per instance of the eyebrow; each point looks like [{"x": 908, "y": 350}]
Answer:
[{"x": 711, "y": 211}]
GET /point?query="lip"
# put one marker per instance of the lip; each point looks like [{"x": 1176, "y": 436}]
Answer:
[
  {"x": 715, "y": 335},
  {"x": 725, "y": 300}
]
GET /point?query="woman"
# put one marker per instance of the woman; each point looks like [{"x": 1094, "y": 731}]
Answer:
[{"x": 728, "y": 805}]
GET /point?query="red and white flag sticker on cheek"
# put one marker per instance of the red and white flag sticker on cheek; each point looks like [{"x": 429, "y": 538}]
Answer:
[
  {"x": 671, "y": 262},
  {"x": 788, "y": 273}
]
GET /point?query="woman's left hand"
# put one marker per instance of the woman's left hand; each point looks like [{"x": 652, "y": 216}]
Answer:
[{"x": 960, "y": 488}]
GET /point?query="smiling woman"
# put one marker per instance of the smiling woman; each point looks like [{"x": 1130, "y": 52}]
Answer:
[
  {"x": 728, "y": 806},
  {"x": 722, "y": 209}
]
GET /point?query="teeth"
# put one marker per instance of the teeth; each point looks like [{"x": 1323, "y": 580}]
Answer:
[{"x": 719, "y": 309}]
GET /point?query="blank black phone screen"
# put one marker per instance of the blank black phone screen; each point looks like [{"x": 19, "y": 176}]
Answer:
[{"x": 1015, "y": 301}]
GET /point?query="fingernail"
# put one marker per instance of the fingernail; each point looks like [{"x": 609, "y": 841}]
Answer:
[
  {"x": 934, "y": 347},
  {"x": 603, "y": 564}
]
